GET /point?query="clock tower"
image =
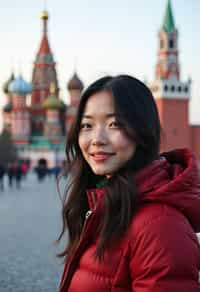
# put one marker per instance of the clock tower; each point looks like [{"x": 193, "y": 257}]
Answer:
[{"x": 171, "y": 93}]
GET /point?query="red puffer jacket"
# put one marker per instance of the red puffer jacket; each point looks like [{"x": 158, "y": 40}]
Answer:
[{"x": 160, "y": 251}]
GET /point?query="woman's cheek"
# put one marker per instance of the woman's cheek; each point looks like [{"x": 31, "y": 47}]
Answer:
[
  {"x": 83, "y": 140},
  {"x": 120, "y": 141}
]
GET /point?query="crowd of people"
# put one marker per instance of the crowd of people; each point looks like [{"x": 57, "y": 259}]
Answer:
[{"x": 17, "y": 171}]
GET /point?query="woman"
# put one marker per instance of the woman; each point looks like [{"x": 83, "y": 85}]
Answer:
[{"x": 131, "y": 214}]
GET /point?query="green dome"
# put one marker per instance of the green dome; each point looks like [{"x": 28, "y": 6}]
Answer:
[
  {"x": 6, "y": 84},
  {"x": 52, "y": 102},
  {"x": 7, "y": 107}
]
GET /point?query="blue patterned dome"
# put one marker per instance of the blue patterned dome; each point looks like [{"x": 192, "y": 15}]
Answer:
[{"x": 20, "y": 86}]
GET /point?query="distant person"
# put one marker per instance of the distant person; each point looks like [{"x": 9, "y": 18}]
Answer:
[
  {"x": 130, "y": 213},
  {"x": 10, "y": 173},
  {"x": 56, "y": 170},
  {"x": 41, "y": 171},
  {"x": 24, "y": 168},
  {"x": 18, "y": 174},
  {"x": 2, "y": 173}
]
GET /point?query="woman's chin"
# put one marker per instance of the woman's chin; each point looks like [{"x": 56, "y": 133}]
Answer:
[{"x": 103, "y": 172}]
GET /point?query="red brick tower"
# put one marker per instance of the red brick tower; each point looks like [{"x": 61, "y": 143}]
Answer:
[
  {"x": 44, "y": 73},
  {"x": 171, "y": 94}
]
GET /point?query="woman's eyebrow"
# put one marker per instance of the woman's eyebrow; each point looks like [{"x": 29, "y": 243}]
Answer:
[{"x": 109, "y": 115}]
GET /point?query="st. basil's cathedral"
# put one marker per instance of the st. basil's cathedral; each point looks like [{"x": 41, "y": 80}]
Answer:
[{"x": 39, "y": 128}]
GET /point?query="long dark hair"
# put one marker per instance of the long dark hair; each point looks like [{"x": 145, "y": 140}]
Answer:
[{"x": 135, "y": 106}]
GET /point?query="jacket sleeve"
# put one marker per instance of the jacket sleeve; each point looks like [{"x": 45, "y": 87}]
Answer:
[{"x": 165, "y": 256}]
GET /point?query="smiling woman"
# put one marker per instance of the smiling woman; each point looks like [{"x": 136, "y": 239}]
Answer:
[
  {"x": 128, "y": 208},
  {"x": 102, "y": 138}
]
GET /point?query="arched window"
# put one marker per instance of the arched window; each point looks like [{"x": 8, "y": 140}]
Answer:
[
  {"x": 171, "y": 44},
  {"x": 165, "y": 88},
  {"x": 172, "y": 88},
  {"x": 161, "y": 43}
]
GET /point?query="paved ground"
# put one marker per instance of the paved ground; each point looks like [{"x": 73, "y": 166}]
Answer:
[{"x": 29, "y": 223}]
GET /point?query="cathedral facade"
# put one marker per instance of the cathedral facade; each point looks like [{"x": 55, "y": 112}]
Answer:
[
  {"x": 36, "y": 117},
  {"x": 39, "y": 128}
]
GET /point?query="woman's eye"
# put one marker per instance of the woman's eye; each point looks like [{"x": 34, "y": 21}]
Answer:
[
  {"x": 86, "y": 126},
  {"x": 115, "y": 124}
]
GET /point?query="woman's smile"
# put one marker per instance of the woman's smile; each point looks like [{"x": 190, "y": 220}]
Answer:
[{"x": 101, "y": 156}]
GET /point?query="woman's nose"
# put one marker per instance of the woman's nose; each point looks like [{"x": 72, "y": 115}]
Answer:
[{"x": 99, "y": 136}]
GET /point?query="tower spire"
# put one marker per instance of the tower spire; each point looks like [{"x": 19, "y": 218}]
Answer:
[
  {"x": 44, "y": 47},
  {"x": 44, "y": 17},
  {"x": 168, "y": 23}
]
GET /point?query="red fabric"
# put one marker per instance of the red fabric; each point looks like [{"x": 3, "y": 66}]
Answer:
[{"x": 160, "y": 251}]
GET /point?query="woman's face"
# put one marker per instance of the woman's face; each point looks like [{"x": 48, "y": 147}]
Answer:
[{"x": 102, "y": 140}]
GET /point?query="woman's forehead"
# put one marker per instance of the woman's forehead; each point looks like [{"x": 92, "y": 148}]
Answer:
[{"x": 99, "y": 103}]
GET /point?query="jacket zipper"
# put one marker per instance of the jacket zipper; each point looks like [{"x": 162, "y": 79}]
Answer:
[{"x": 87, "y": 215}]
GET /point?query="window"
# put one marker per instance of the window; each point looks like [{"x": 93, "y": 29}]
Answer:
[
  {"x": 165, "y": 88},
  {"x": 171, "y": 44},
  {"x": 161, "y": 44}
]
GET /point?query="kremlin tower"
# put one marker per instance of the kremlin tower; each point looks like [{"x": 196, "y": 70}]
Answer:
[{"x": 172, "y": 95}]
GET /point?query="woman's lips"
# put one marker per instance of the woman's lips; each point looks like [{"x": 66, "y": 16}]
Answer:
[{"x": 99, "y": 157}]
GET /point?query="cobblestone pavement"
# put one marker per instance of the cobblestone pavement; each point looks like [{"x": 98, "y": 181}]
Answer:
[{"x": 29, "y": 223}]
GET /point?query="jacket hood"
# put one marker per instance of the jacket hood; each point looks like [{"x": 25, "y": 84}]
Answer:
[{"x": 174, "y": 180}]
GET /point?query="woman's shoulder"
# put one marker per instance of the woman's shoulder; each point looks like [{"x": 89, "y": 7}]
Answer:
[{"x": 151, "y": 217}]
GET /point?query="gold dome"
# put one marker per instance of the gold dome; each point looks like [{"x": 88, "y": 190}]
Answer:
[{"x": 44, "y": 15}]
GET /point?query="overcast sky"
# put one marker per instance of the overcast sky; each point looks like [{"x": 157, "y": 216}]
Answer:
[{"x": 99, "y": 37}]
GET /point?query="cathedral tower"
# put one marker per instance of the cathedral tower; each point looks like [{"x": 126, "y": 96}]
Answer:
[
  {"x": 44, "y": 73},
  {"x": 20, "y": 115},
  {"x": 171, "y": 94},
  {"x": 75, "y": 87}
]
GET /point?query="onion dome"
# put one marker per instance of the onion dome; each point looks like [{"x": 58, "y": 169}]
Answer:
[
  {"x": 75, "y": 83},
  {"x": 52, "y": 102},
  {"x": 6, "y": 84},
  {"x": 44, "y": 15},
  {"x": 19, "y": 86},
  {"x": 7, "y": 107}
]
